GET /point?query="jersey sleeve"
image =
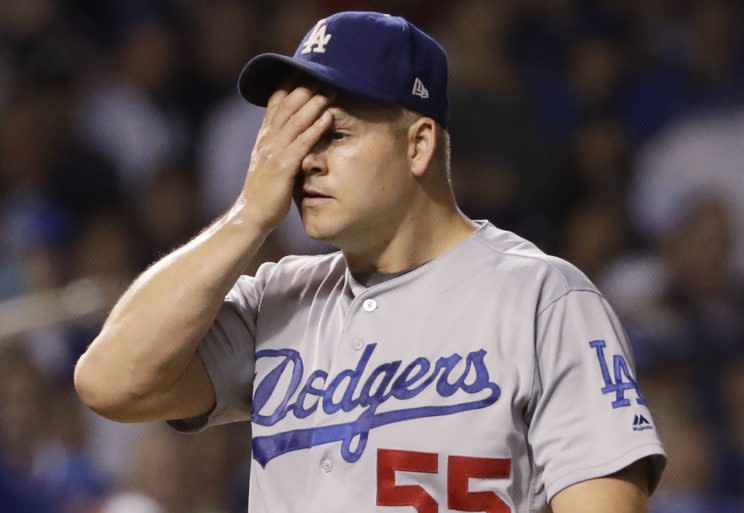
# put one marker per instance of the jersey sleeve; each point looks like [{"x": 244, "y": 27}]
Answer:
[
  {"x": 228, "y": 354},
  {"x": 589, "y": 417}
]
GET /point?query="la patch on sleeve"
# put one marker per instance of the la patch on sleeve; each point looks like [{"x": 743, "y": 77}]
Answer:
[{"x": 623, "y": 379}]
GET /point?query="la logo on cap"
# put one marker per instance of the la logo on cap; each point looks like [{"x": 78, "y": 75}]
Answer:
[
  {"x": 318, "y": 39},
  {"x": 367, "y": 54}
]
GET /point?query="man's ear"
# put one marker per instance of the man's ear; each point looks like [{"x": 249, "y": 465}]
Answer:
[{"x": 422, "y": 144}]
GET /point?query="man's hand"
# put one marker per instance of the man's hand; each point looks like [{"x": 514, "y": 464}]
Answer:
[{"x": 295, "y": 120}]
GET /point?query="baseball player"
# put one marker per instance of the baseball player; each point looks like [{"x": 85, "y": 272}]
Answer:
[{"x": 434, "y": 363}]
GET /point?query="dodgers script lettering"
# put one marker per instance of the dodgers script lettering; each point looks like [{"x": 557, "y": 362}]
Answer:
[{"x": 357, "y": 390}]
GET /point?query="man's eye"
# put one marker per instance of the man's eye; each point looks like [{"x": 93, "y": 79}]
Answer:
[{"x": 335, "y": 135}]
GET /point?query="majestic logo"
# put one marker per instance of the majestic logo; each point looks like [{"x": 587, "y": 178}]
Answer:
[
  {"x": 641, "y": 423},
  {"x": 419, "y": 89},
  {"x": 352, "y": 390},
  {"x": 623, "y": 379},
  {"x": 318, "y": 39}
]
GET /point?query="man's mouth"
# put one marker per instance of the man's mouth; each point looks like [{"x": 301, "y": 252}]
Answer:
[
  {"x": 312, "y": 197},
  {"x": 311, "y": 192}
]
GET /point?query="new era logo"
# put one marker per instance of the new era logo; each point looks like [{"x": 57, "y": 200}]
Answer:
[
  {"x": 419, "y": 89},
  {"x": 641, "y": 423}
]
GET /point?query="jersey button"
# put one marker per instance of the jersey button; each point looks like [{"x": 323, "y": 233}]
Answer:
[
  {"x": 369, "y": 305},
  {"x": 326, "y": 465},
  {"x": 357, "y": 344}
]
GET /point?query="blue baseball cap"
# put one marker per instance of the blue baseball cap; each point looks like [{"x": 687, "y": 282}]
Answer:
[{"x": 369, "y": 54}]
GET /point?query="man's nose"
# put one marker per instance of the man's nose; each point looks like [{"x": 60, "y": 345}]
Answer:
[{"x": 314, "y": 162}]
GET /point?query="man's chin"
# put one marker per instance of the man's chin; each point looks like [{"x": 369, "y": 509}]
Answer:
[{"x": 319, "y": 231}]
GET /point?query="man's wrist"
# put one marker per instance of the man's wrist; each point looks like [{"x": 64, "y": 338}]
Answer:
[{"x": 243, "y": 217}]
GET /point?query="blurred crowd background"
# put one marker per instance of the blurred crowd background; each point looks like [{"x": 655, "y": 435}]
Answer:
[{"x": 609, "y": 132}]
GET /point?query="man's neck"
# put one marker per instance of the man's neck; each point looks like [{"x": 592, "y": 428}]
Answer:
[{"x": 413, "y": 242}]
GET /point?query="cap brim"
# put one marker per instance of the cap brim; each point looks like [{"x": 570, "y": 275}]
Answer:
[{"x": 265, "y": 73}]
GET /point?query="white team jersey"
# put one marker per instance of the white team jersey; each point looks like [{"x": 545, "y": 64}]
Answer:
[{"x": 487, "y": 379}]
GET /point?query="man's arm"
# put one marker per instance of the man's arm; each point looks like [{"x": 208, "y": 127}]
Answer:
[
  {"x": 623, "y": 492},
  {"x": 144, "y": 365},
  {"x": 590, "y": 416}
]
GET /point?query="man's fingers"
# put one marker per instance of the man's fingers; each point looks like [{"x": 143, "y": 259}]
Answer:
[
  {"x": 286, "y": 87},
  {"x": 274, "y": 102},
  {"x": 304, "y": 117},
  {"x": 310, "y": 137},
  {"x": 290, "y": 104}
]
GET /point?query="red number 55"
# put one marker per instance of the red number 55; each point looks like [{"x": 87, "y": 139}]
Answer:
[{"x": 459, "y": 470}]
